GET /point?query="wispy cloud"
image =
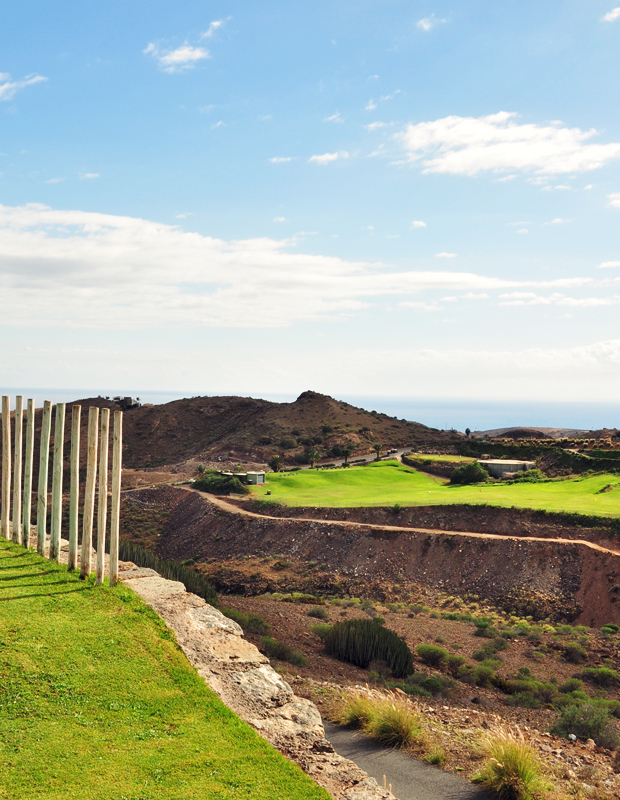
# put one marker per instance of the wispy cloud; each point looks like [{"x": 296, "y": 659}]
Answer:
[
  {"x": 559, "y": 221},
  {"x": 9, "y": 88},
  {"x": 280, "y": 159},
  {"x": 92, "y": 270},
  {"x": 55, "y": 180},
  {"x": 279, "y": 219},
  {"x": 612, "y": 15},
  {"x": 327, "y": 158},
  {"x": 417, "y": 223},
  {"x": 374, "y": 126},
  {"x": 370, "y": 105},
  {"x": 614, "y": 200},
  {"x": 218, "y": 124},
  {"x": 522, "y": 230},
  {"x": 497, "y": 143},
  {"x": 180, "y": 59},
  {"x": 89, "y": 176},
  {"x": 428, "y": 23},
  {"x": 557, "y": 299},
  {"x": 609, "y": 264},
  {"x": 445, "y": 255},
  {"x": 214, "y": 26},
  {"x": 334, "y": 118}
]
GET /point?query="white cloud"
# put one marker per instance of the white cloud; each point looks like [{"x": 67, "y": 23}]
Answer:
[
  {"x": 609, "y": 264},
  {"x": 420, "y": 306},
  {"x": 91, "y": 270},
  {"x": 469, "y": 145},
  {"x": 370, "y": 105},
  {"x": 557, "y": 299},
  {"x": 280, "y": 159},
  {"x": 563, "y": 188},
  {"x": 588, "y": 187},
  {"x": 279, "y": 219},
  {"x": 417, "y": 223},
  {"x": 326, "y": 158},
  {"x": 614, "y": 200},
  {"x": 218, "y": 124},
  {"x": 334, "y": 118},
  {"x": 390, "y": 96},
  {"x": 559, "y": 221},
  {"x": 89, "y": 176},
  {"x": 217, "y": 23},
  {"x": 374, "y": 126},
  {"x": 179, "y": 60},
  {"x": 264, "y": 117},
  {"x": 428, "y": 23},
  {"x": 612, "y": 15},
  {"x": 445, "y": 255},
  {"x": 522, "y": 230},
  {"x": 55, "y": 180},
  {"x": 9, "y": 88}
]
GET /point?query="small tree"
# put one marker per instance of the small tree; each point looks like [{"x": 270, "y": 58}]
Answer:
[
  {"x": 275, "y": 463},
  {"x": 347, "y": 449},
  {"x": 313, "y": 455},
  {"x": 467, "y": 432},
  {"x": 377, "y": 448}
]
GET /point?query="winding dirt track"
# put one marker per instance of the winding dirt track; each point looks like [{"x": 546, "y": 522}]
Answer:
[{"x": 233, "y": 509}]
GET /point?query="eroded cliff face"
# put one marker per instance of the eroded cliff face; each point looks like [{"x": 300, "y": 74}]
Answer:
[
  {"x": 566, "y": 579},
  {"x": 243, "y": 678}
]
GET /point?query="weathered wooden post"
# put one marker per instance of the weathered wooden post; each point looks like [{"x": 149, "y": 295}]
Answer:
[
  {"x": 44, "y": 454},
  {"x": 59, "y": 446},
  {"x": 17, "y": 471},
  {"x": 102, "y": 508},
  {"x": 74, "y": 491},
  {"x": 89, "y": 493},
  {"x": 6, "y": 468},
  {"x": 27, "y": 505},
  {"x": 117, "y": 455}
]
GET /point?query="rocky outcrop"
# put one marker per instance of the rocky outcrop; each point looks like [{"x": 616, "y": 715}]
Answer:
[{"x": 249, "y": 686}]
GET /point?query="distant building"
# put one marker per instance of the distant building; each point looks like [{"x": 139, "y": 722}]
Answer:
[
  {"x": 248, "y": 478},
  {"x": 498, "y": 467},
  {"x": 128, "y": 402}
]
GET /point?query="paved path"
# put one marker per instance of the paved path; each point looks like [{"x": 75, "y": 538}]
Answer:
[
  {"x": 233, "y": 509},
  {"x": 411, "y": 778}
]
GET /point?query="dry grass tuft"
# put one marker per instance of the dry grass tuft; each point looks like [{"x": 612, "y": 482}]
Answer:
[{"x": 511, "y": 770}]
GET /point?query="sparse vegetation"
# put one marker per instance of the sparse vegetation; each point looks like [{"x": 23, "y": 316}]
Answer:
[
  {"x": 511, "y": 770},
  {"x": 214, "y": 483},
  {"x": 282, "y": 652},
  {"x": 587, "y": 722}
]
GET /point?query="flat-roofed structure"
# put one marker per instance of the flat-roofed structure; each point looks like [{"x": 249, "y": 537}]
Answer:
[{"x": 498, "y": 467}]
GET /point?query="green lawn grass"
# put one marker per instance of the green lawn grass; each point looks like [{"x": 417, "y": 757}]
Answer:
[
  {"x": 97, "y": 701},
  {"x": 388, "y": 482}
]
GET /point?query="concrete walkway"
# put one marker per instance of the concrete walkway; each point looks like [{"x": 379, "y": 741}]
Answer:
[{"x": 411, "y": 778}]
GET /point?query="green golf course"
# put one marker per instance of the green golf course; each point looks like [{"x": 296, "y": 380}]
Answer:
[{"x": 389, "y": 482}]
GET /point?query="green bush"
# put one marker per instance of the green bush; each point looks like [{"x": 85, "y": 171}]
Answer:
[
  {"x": 454, "y": 664},
  {"x": 601, "y": 676},
  {"x": 322, "y": 631},
  {"x": 172, "y": 570},
  {"x": 214, "y": 483},
  {"x": 361, "y": 641},
  {"x": 318, "y": 613},
  {"x": 251, "y": 623},
  {"x": 288, "y": 443},
  {"x": 395, "y": 725},
  {"x": 575, "y": 653},
  {"x": 587, "y": 722},
  {"x": 469, "y": 473},
  {"x": 432, "y": 655},
  {"x": 283, "y": 652}
]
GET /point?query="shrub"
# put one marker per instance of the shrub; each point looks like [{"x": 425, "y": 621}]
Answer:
[
  {"x": 251, "y": 623},
  {"x": 318, "y": 613},
  {"x": 575, "y": 653},
  {"x": 432, "y": 655},
  {"x": 288, "y": 443},
  {"x": 395, "y": 725},
  {"x": 322, "y": 631},
  {"x": 571, "y": 685},
  {"x": 215, "y": 483},
  {"x": 601, "y": 676},
  {"x": 469, "y": 473},
  {"x": 361, "y": 641},
  {"x": 173, "y": 570},
  {"x": 353, "y": 710},
  {"x": 436, "y": 757},
  {"x": 454, "y": 664},
  {"x": 587, "y": 722},
  {"x": 483, "y": 675},
  {"x": 283, "y": 652},
  {"x": 512, "y": 770}
]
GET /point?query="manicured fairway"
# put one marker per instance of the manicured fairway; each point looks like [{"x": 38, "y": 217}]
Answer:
[
  {"x": 98, "y": 702},
  {"x": 388, "y": 482}
]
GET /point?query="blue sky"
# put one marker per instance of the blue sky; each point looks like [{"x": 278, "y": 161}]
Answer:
[{"x": 411, "y": 199}]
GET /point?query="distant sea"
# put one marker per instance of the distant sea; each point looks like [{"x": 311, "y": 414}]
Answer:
[{"x": 436, "y": 413}]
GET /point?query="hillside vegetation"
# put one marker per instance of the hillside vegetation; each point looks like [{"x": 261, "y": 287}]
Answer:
[
  {"x": 97, "y": 701},
  {"x": 387, "y": 483}
]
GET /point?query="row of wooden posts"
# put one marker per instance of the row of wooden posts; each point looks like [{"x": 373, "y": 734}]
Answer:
[{"x": 16, "y": 526}]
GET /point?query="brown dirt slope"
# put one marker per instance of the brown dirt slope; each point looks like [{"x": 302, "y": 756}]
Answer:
[{"x": 563, "y": 580}]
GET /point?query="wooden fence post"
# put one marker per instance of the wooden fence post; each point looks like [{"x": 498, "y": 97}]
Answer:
[
  {"x": 74, "y": 491},
  {"x": 59, "y": 446},
  {"x": 89, "y": 493},
  {"x": 117, "y": 455},
  {"x": 17, "y": 470},
  {"x": 102, "y": 500},
  {"x": 27, "y": 504},
  {"x": 44, "y": 454},
  {"x": 6, "y": 468}
]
